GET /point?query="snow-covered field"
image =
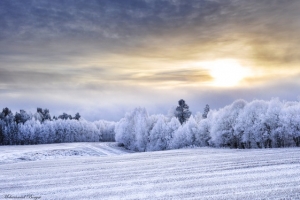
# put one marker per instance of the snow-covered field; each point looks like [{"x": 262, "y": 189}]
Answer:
[{"x": 106, "y": 171}]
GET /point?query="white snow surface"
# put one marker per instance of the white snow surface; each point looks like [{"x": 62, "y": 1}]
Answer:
[{"x": 107, "y": 171}]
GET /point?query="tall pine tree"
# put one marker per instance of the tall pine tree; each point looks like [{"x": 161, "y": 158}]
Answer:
[{"x": 182, "y": 111}]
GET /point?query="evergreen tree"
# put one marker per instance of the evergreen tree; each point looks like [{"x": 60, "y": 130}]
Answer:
[
  {"x": 77, "y": 116},
  {"x": 205, "y": 112},
  {"x": 182, "y": 111},
  {"x": 65, "y": 116}
]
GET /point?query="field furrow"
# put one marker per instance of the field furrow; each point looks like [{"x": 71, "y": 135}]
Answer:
[{"x": 110, "y": 172}]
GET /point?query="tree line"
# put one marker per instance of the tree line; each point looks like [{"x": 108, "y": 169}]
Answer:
[
  {"x": 25, "y": 128},
  {"x": 242, "y": 124},
  {"x": 255, "y": 124}
]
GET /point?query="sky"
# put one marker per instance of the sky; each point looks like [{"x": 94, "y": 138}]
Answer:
[{"x": 103, "y": 58}]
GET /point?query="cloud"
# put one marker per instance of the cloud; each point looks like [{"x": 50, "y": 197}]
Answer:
[
  {"x": 139, "y": 52},
  {"x": 176, "y": 76},
  {"x": 265, "y": 30}
]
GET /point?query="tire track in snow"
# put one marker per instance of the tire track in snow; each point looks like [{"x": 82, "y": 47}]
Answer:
[
  {"x": 107, "y": 148},
  {"x": 99, "y": 150}
]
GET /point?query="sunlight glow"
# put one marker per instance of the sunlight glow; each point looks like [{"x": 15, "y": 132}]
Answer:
[{"x": 227, "y": 72}]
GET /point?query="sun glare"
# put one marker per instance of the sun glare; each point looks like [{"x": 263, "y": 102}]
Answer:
[{"x": 226, "y": 73}]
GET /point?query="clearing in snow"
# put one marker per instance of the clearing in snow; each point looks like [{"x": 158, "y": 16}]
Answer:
[{"x": 107, "y": 171}]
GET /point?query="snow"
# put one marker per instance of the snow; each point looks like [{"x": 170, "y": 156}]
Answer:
[
  {"x": 12, "y": 154},
  {"x": 107, "y": 171}
]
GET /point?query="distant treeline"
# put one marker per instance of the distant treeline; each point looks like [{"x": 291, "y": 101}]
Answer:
[
  {"x": 256, "y": 124},
  {"x": 39, "y": 128}
]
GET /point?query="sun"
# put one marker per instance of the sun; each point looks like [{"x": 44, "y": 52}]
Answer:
[{"x": 226, "y": 73}]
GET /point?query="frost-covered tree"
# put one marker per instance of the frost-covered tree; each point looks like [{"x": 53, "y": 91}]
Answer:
[
  {"x": 42, "y": 115},
  {"x": 250, "y": 123},
  {"x": 182, "y": 111},
  {"x": 185, "y": 135},
  {"x": 2, "y": 125},
  {"x": 48, "y": 130},
  {"x": 107, "y": 130},
  {"x": 8, "y": 130},
  {"x": 30, "y": 132},
  {"x": 290, "y": 119},
  {"x": 141, "y": 128},
  {"x": 172, "y": 127},
  {"x": 132, "y": 131},
  {"x": 224, "y": 129},
  {"x": 22, "y": 117},
  {"x": 192, "y": 130},
  {"x": 203, "y": 137},
  {"x": 158, "y": 135},
  {"x": 178, "y": 140},
  {"x": 274, "y": 135},
  {"x": 5, "y": 117},
  {"x": 124, "y": 132}
]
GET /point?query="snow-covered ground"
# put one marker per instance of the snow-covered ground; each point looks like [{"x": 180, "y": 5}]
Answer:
[
  {"x": 106, "y": 171},
  {"x": 12, "y": 154}
]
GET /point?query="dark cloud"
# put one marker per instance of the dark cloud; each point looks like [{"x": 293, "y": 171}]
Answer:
[{"x": 150, "y": 27}]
